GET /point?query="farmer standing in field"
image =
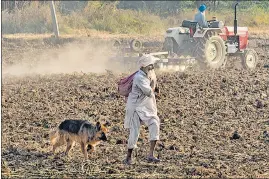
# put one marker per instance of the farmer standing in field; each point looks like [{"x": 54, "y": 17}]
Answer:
[
  {"x": 200, "y": 16},
  {"x": 141, "y": 107}
]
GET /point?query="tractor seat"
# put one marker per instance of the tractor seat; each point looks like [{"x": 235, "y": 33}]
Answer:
[{"x": 189, "y": 24}]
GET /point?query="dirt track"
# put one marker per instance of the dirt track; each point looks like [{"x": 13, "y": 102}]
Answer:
[{"x": 199, "y": 113}]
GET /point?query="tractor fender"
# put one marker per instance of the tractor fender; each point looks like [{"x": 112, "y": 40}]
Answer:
[{"x": 201, "y": 33}]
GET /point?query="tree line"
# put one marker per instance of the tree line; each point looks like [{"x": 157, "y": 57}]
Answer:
[{"x": 157, "y": 7}]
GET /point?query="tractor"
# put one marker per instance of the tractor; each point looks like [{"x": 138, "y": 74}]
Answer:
[{"x": 210, "y": 47}]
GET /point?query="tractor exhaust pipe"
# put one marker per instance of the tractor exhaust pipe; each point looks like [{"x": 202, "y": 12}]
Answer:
[{"x": 235, "y": 20}]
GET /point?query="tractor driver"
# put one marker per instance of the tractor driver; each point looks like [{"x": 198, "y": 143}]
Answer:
[{"x": 200, "y": 16}]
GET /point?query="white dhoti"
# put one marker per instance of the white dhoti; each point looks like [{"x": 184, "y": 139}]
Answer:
[
  {"x": 141, "y": 108},
  {"x": 134, "y": 129}
]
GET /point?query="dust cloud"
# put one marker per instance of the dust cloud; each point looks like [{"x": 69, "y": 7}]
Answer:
[{"x": 74, "y": 57}]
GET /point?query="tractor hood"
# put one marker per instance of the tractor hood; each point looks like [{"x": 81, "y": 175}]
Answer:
[{"x": 181, "y": 30}]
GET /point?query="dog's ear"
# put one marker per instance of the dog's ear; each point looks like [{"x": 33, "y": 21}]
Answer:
[{"x": 98, "y": 126}]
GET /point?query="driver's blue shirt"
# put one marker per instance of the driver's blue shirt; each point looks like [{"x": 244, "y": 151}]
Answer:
[{"x": 200, "y": 18}]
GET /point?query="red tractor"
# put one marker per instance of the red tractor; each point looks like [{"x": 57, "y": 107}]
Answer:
[{"x": 210, "y": 46}]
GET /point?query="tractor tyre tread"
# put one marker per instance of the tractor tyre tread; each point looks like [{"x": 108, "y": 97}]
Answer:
[{"x": 201, "y": 50}]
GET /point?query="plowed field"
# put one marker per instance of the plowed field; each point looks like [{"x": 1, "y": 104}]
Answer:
[{"x": 199, "y": 112}]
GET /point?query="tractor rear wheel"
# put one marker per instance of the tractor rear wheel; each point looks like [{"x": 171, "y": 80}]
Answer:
[
  {"x": 210, "y": 50},
  {"x": 249, "y": 59}
]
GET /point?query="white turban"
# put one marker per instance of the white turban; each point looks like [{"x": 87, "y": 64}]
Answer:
[{"x": 146, "y": 60}]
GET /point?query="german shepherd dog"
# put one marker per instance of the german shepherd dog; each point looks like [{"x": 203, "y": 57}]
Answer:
[{"x": 80, "y": 131}]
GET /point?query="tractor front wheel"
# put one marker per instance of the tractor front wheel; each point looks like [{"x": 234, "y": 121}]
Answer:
[{"x": 249, "y": 59}]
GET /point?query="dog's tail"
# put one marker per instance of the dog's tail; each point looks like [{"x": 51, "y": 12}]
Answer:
[{"x": 54, "y": 136}]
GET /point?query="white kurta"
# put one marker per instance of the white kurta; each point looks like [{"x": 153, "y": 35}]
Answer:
[{"x": 141, "y": 107}]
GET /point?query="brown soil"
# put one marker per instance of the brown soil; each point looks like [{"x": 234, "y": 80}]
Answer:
[{"x": 199, "y": 110}]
